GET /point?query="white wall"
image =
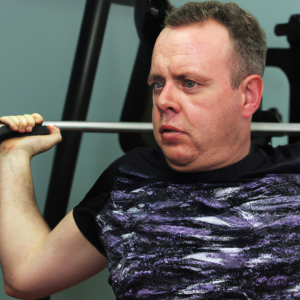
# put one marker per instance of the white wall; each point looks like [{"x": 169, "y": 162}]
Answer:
[{"x": 37, "y": 44}]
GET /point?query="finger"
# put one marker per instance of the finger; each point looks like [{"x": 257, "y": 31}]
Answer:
[
  {"x": 8, "y": 120},
  {"x": 30, "y": 122},
  {"x": 22, "y": 123},
  {"x": 38, "y": 118},
  {"x": 16, "y": 122},
  {"x": 34, "y": 144}
]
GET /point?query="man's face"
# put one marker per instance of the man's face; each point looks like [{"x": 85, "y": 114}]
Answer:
[{"x": 196, "y": 113}]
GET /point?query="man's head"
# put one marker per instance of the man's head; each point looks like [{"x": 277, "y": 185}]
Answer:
[
  {"x": 201, "y": 120},
  {"x": 247, "y": 37}
]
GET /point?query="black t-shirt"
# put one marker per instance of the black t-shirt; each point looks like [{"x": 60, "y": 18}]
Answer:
[{"x": 230, "y": 233}]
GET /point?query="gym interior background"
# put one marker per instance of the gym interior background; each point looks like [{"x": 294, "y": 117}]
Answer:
[{"x": 38, "y": 40}]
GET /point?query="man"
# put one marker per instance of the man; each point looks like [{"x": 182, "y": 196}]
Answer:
[{"x": 203, "y": 219}]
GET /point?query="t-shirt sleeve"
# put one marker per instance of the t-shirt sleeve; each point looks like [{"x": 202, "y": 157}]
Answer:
[{"x": 86, "y": 211}]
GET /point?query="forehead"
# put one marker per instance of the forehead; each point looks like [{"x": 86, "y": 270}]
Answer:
[{"x": 205, "y": 46}]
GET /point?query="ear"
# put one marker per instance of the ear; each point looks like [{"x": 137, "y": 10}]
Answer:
[{"x": 252, "y": 89}]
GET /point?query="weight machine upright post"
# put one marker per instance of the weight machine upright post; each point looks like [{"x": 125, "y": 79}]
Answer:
[
  {"x": 76, "y": 108},
  {"x": 289, "y": 62}
]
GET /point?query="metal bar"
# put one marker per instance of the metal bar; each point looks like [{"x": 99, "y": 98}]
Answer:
[
  {"x": 110, "y": 127},
  {"x": 275, "y": 129},
  {"x": 116, "y": 127}
]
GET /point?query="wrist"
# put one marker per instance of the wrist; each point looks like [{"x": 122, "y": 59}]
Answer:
[{"x": 13, "y": 153}]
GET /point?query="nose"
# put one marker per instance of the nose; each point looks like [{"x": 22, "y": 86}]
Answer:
[{"x": 168, "y": 100}]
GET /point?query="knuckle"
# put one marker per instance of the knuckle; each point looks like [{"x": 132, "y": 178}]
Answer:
[
  {"x": 37, "y": 116},
  {"x": 30, "y": 120},
  {"x": 22, "y": 121}
]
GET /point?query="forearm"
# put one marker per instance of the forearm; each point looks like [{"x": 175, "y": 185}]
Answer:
[
  {"x": 36, "y": 262},
  {"x": 22, "y": 227}
]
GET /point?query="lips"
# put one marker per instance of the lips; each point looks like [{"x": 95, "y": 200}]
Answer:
[
  {"x": 170, "y": 134},
  {"x": 168, "y": 128}
]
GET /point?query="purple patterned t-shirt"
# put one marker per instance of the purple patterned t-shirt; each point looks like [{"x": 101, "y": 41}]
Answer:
[{"x": 195, "y": 236}]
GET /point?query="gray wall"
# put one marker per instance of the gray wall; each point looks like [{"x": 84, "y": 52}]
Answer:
[{"x": 37, "y": 45}]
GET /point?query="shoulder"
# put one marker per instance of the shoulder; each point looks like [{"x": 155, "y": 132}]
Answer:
[
  {"x": 282, "y": 159},
  {"x": 140, "y": 159},
  {"x": 141, "y": 162}
]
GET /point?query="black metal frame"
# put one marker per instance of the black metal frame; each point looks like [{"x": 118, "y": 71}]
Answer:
[
  {"x": 288, "y": 60},
  {"x": 76, "y": 107},
  {"x": 124, "y": 2},
  {"x": 149, "y": 23}
]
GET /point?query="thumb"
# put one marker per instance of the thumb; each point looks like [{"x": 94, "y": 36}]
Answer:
[
  {"x": 37, "y": 144},
  {"x": 47, "y": 141},
  {"x": 55, "y": 134}
]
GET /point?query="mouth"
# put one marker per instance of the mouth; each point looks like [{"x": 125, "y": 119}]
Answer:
[{"x": 167, "y": 128}]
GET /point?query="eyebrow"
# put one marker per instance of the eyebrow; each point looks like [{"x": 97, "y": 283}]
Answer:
[
  {"x": 154, "y": 77},
  {"x": 200, "y": 78}
]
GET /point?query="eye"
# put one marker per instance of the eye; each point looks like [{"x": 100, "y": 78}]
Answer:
[
  {"x": 158, "y": 85},
  {"x": 190, "y": 83}
]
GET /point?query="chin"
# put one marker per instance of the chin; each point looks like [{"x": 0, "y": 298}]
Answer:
[{"x": 178, "y": 160}]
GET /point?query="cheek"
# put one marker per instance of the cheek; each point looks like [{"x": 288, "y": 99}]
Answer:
[
  {"x": 155, "y": 121},
  {"x": 199, "y": 112},
  {"x": 155, "y": 114},
  {"x": 209, "y": 116}
]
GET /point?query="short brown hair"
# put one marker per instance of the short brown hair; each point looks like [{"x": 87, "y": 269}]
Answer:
[{"x": 248, "y": 38}]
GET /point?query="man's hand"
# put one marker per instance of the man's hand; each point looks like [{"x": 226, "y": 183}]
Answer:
[
  {"x": 22, "y": 123},
  {"x": 32, "y": 145}
]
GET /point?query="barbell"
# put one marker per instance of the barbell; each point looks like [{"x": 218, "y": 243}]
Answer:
[
  {"x": 260, "y": 129},
  {"x": 257, "y": 129}
]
